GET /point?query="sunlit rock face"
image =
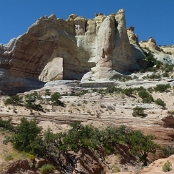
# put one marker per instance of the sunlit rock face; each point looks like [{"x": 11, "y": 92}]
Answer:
[
  {"x": 75, "y": 48},
  {"x": 114, "y": 54}
]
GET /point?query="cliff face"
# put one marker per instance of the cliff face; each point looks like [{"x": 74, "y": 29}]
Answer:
[{"x": 55, "y": 49}]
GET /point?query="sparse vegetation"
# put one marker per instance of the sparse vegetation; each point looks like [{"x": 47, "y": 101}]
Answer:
[
  {"x": 14, "y": 100},
  {"x": 167, "y": 166},
  {"x": 28, "y": 137},
  {"x": 162, "y": 87},
  {"x": 6, "y": 124},
  {"x": 9, "y": 157},
  {"x": 55, "y": 99},
  {"x": 168, "y": 150},
  {"x": 146, "y": 97},
  {"x": 166, "y": 74},
  {"x": 46, "y": 169},
  {"x": 126, "y": 78},
  {"x": 160, "y": 102},
  {"x": 128, "y": 91},
  {"x": 153, "y": 76},
  {"x": 151, "y": 64},
  {"x": 138, "y": 112},
  {"x": 31, "y": 102},
  {"x": 47, "y": 92}
]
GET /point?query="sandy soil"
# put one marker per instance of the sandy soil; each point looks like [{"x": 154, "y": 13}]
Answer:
[{"x": 97, "y": 110}]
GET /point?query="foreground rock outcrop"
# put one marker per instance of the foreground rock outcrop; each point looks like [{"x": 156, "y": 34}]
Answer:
[{"x": 54, "y": 49}]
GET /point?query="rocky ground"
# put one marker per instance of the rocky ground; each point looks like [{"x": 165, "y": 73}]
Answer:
[{"x": 101, "y": 111}]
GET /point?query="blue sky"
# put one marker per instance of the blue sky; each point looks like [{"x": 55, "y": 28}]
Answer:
[{"x": 149, "y": 17}]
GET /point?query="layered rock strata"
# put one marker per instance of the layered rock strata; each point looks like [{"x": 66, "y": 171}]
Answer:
[{"x": 54, "y": 49}]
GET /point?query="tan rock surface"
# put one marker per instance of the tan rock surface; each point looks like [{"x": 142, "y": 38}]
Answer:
[
  {"x": 80, "y": 42},
  {"x": 53, "y": 70},
  {"x": 168, "y": 49},
  {"x": 133, "y": 38},
  {"x": 114, "y": 51},
  {"x": 150, "y": 44},
  {"x": 156, "y": 166}
]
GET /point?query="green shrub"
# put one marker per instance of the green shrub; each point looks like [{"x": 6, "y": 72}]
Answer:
[
  {"x": 147, "y": 98},
  {"x": 6, "y": 124},
  {"x": 46, "y": 169},
  {"x": 125, "y": 78},
  {"x": 171, "y": 112},
  {"x": 167, "y": 166},
  {"x": 166, "y": 74},
  {"x": 138, "y": 111},
  {"x": 9, "y": 157},
  {"x": 168, "y": 68},
  {"x": 27, "y": 137},
  {"x": 128, "y": 91},
  {"x": 111, "y": 89},
  {"x": 140, "y": 145},
  {"x": 14, "y": 100},
  {"x": 168, "y": 150},
  {"x": 160, "y": 102},
  {"x": 162, "y": 87},
  {"x": 153, "y": 76},
  {"x": 150, "y": 89},
  {"x": 55, "y": 99},
  {"x": 30, "y": 102},
  {"x": 47, "y": 92},
  {"x": 151, "y": 64},
  {"x": 36, "y": 107}
]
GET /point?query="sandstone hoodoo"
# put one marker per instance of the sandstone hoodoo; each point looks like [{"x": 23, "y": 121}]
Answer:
[{"x": 76, "y": 48}]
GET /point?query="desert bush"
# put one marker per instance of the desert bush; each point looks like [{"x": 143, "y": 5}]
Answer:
[
  {"x": 171, "y": 112},
  {"x": 147, "y": 98},
  {"x": 151, "y": 64},
  {"x": 28, "y": 137},
  {"x": 168, "y": 150},
  {"x": 153, "y": 76},
  {"x": 128, "y": 91},
  {"x": 160, "y": 102},
  {"x": 31, "y": 157},
  {"x": 166, "y": 74},
  {"x": 55, "y": 99},
  {"x": 167, "y": 166},
  {"x": 142, "y": 145},
  {"x": 9, "y": 157},
  {"x": 150, "y": 90},
  {"x": 34, "y": 106},
  {"x": 47, "y": 92},
  {"x": 162, "y": 87},
  {"x": 125, "y": 78},
  {"x": 6, "y": 124},
  {"x": 14, "y": 100},
  {"x": 46, "y": 169},
  {"x": 138, "y": 111},
  {"x": 111, "y": 89},
  {"x": 30, "y": 102},
  {"x": 168, "y": 68}
]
